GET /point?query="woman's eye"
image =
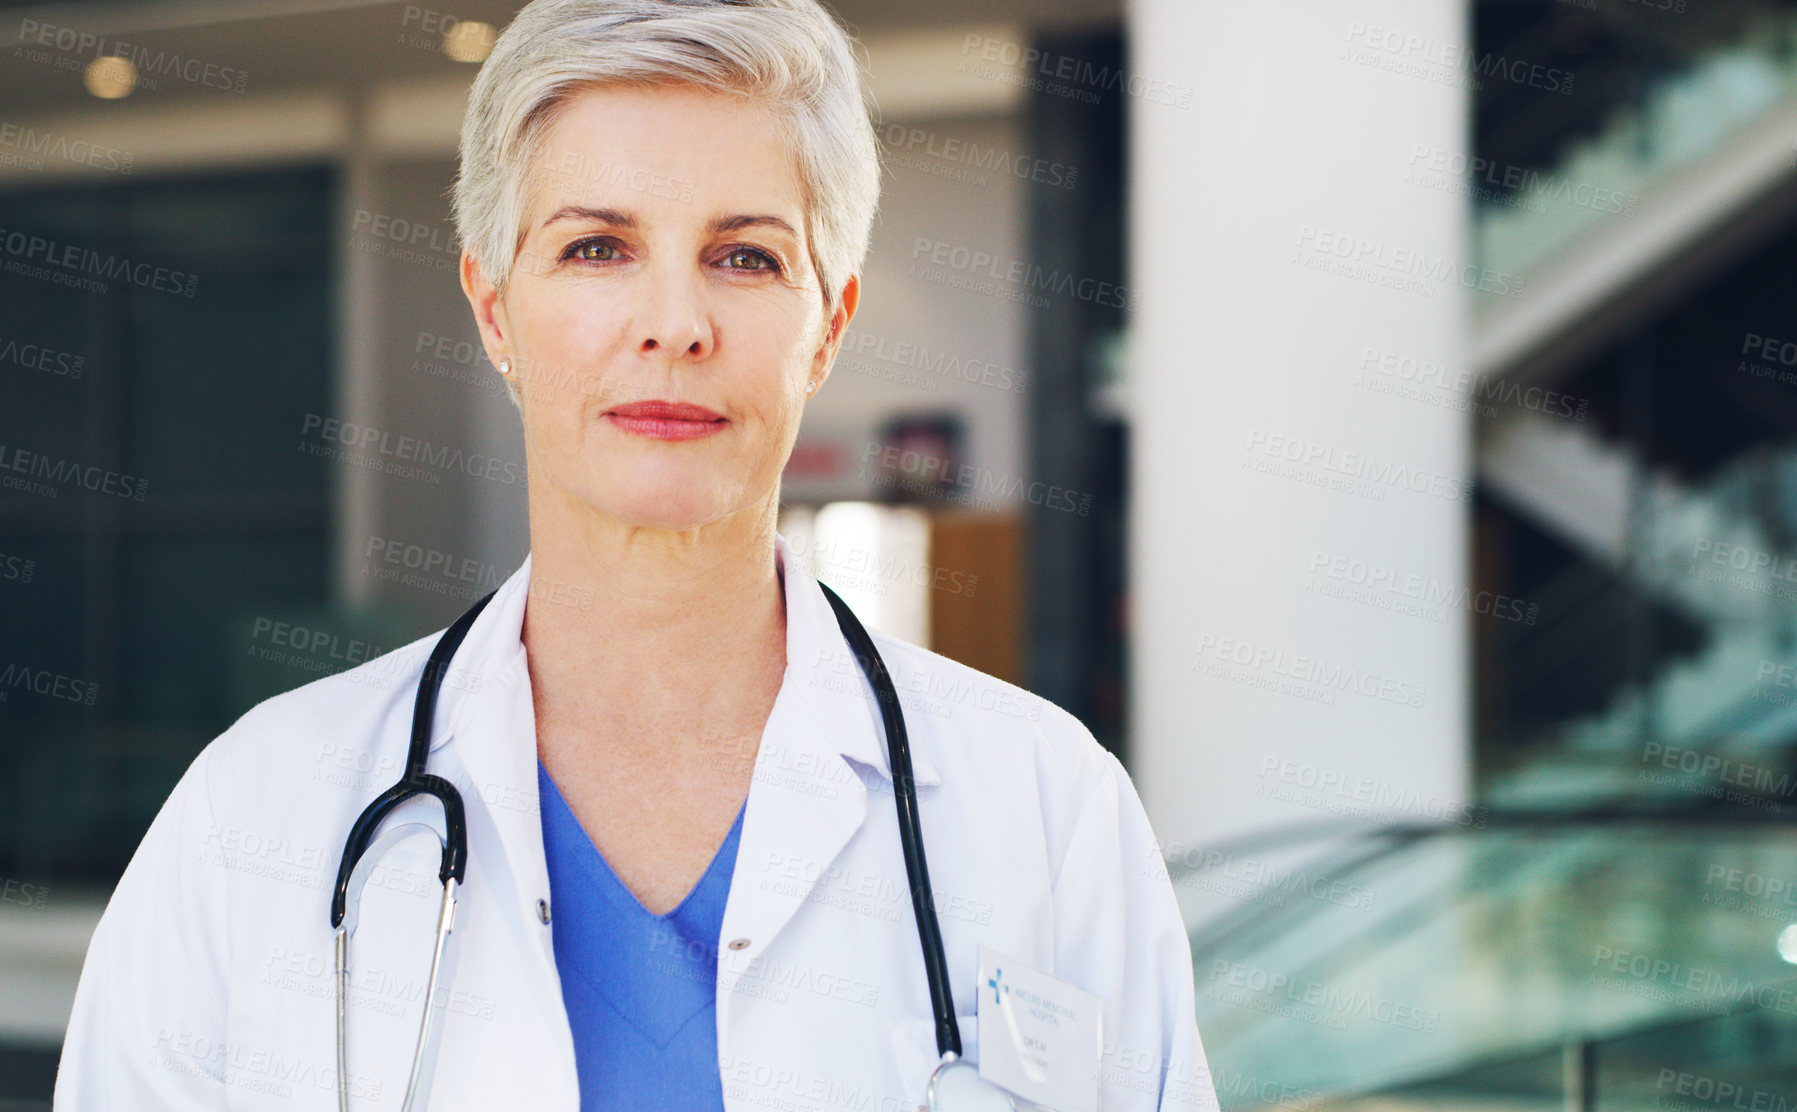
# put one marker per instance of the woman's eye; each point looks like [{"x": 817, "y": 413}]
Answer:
[
  {"x": 592, "y": 251},
  {"x": 750, "y": 259},
  {"x": 765, "y": 260}
]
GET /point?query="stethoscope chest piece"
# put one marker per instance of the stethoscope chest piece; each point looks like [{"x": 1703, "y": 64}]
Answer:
[{"x": 957, "y": 1086}]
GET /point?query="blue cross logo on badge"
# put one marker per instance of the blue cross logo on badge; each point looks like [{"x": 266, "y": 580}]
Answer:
[{"x": 998, "y": 984}]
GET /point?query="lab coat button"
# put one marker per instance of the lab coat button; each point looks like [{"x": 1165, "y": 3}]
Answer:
[
  {"x": 739, "y": 944},
  {"x": 543, "y": 910}
]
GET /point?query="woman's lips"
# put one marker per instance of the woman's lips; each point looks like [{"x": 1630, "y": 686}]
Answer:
[{"x": 661, "y": 420}]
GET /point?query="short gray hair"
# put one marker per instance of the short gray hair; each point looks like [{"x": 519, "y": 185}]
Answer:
[{"x": 792, "y": 53}]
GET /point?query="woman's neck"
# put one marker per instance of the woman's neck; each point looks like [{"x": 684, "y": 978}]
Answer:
[{"x": 637, "y": 633}]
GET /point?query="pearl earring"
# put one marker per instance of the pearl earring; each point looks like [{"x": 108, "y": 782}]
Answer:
[{"x": 505, "y": 366}]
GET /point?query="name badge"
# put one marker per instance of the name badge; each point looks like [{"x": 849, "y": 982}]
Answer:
[{"x": 1039, "y": 1036}]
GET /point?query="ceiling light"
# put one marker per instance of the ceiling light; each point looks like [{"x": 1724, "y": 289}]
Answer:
[
  {"x": 110, "y": 77},
  {"x": 469, "y": 41}
]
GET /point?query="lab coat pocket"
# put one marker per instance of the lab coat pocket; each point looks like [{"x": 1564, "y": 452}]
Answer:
[{"x": 914, "y": 1043}]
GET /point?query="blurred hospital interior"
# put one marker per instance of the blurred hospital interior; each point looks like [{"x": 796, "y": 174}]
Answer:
[{"x": 1376, "y": 420}]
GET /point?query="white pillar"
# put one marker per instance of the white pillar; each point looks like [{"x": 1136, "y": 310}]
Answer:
[{"x": 1279, "y": 234}]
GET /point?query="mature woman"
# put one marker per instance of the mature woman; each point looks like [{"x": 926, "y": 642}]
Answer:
[{"x": 686, "y": 885}]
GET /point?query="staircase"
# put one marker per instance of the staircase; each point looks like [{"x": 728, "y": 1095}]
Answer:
[{"x": 1716, "y": 557}]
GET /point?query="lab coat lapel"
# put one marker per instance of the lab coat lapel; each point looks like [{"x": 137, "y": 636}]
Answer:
[
  {"x": 827, "y": 678},
  {"x": 804, "y": 806},
  {"x": 806, "y": 800},
  {"x": 493, "y": 729}
]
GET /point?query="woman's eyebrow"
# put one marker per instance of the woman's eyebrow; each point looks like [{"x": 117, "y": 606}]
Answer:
[
  {"x": 602, "y": 215},
  {"x": 732, "y": 223},
  {"x": 622, "y": 219}
]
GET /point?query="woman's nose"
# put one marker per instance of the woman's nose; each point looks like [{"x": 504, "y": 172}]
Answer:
[{"x": 672, "y": 317}]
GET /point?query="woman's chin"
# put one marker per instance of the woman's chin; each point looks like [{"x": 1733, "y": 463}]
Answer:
[
  {"x": 672, "y": 507},
  {"x": 657, "y": 494}
]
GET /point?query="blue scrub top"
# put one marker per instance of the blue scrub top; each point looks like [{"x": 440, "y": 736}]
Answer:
[{"x": 640, "y": 989}]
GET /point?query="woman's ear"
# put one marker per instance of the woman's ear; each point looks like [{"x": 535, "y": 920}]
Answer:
[
  {"x": 846, "y": 304},
  {"x": 489, "y": 308}
]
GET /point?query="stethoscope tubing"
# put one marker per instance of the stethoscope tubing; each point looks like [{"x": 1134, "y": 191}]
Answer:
[
  {"x": 416, "y": 780},
  {"x": 917, "y": 869}
]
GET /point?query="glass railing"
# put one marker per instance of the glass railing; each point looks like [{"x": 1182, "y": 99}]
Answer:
[
  {"x": 1423, "y": 956},
  {"x": 1681, "y": 117}
]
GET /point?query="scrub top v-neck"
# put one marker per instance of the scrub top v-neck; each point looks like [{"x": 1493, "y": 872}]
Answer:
[{"x": 640, "y": 988}]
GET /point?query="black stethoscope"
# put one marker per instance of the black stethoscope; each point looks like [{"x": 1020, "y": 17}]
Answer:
[{"x": 955, "y": 1085}]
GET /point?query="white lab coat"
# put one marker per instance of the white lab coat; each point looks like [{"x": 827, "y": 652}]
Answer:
[{"x": 208, "y": 982}]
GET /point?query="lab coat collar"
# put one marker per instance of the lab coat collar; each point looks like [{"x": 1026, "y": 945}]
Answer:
[
  {"x": 820, "y": 665},
  {"x": 818, "y": 661}
]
